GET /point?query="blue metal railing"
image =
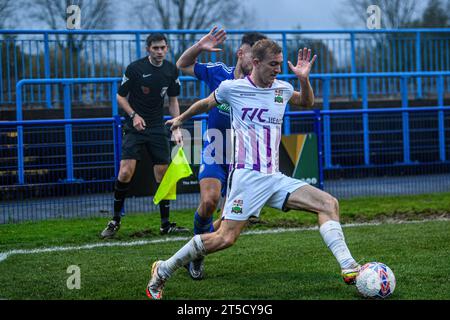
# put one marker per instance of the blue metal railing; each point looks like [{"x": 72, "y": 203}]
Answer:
[
  {"x": 105, "y": 53},
  {"x": 324, "y": 114},
  {"x": 316, "y": 115}
]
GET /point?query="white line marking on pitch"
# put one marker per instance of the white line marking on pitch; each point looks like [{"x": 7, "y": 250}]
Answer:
[{"x": 7, "y": 254}]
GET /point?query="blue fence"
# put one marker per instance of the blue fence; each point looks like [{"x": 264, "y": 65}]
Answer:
[
  {"x": 52, "y": 168},
  {"x": 35, "y": 54}
]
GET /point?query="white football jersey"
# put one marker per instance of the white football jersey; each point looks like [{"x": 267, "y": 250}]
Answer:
[{"x": 256, "y": 121}]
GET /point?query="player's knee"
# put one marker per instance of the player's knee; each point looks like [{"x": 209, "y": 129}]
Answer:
[
  {"x": 126, "y": 173},
  {"x": 331, "y": 207},
  {"x": 159, "y": 172},
  {"x": 209, "y": 202}
]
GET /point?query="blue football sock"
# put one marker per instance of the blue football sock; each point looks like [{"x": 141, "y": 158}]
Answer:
[{"x": 202, "y": 225}]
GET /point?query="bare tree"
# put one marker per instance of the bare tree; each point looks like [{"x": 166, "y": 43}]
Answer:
[
  {"x": 189, "y": 14},
  {"x": 95, "y": 14},
  {"x": 6, "y": 12},
  {"x": 435, "y": 15},
  {"x": 395, "y": 13}
]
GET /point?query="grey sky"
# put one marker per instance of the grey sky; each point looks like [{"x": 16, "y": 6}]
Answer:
[
  {"x": 310, "y": 14},
  {"x": 287, "y": 14},
  {"x": 265, "y": 14}
]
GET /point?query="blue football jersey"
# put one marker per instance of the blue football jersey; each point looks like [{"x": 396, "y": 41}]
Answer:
[{"x": 213, "y": 74}]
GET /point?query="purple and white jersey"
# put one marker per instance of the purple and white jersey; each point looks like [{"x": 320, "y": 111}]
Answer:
[{"x": 256, "y": 121}]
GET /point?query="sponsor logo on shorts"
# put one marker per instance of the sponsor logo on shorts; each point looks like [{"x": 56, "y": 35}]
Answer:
[
  {"x": 202, "y": 167},
  {"x": 237, "y": 206}
]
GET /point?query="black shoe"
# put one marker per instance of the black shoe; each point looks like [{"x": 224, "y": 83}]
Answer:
[
  {"x": 253, "y": 220},
  {"x": 111, "y": 229},
  {"x": 171, "y": 227}
]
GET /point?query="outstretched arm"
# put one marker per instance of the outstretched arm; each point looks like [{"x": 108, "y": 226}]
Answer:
[
  {"x": 199, "y": 107},
  {"x": 208, "y": 43},
  {"x": 302, "y": 70}
]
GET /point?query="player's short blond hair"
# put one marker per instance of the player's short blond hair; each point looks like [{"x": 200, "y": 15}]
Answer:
[{"x": 264, "y": 47}]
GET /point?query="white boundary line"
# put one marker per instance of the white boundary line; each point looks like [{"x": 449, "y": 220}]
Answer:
[{"x": 7, "y": 254}]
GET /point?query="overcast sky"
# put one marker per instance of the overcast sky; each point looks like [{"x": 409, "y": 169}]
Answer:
[
  {"x": 265, "y": 14},
  {"x": 274, "y": 14},
  {"x": 309, "y": 14},
  {"x": 287, "y": 14},
  {"x": 279, "y": 14}
]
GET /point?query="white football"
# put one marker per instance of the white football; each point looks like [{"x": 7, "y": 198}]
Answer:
[{"x": 375, "y": 280}]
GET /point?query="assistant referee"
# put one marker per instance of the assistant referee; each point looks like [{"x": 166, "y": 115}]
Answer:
[{"x": 141, "y": 95}]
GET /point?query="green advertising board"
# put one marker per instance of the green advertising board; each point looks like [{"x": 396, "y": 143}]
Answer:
[{"x": 300, "y": 157}]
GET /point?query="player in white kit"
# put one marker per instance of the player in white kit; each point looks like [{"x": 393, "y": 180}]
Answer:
[{"x": 257, "y": 106}]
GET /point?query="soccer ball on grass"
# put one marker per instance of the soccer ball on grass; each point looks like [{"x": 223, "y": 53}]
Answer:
[{"x": 375, "y": 280}]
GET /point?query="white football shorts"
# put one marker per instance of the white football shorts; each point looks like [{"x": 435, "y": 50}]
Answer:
[{"x": 251, "y": 190}]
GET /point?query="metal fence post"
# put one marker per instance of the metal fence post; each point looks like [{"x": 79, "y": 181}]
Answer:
[
  {"x": 117, "y": 129},
  {"x": 318, "y": 131},
  {"x": 285, "y": 53},
  {"x": 47, "y": 75},
  {"x": 353, "y": 65},
  {"x": 419, "y": 64},
  {"x": 115, "y": 108},
  {"x": 366, "y": 133},
  {"x": 441, "y": 118},
  {"x": 326, "y": 123},
  {"x": 20, "y": 146},
  {"x": 405, "y": 120},
  {"x": 68, "y": 132},
  {"x": 138, "y": 45},
  {"x": 287, "y": 119},
  {"x": 117, "y": 136}
]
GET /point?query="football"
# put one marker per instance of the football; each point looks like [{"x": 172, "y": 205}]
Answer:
[{"x": 375, "y": 280}]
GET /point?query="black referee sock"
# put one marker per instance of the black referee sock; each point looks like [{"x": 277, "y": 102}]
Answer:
[
  {"x": 120, "y": 191},
  {"x": 164, "y": 210}
]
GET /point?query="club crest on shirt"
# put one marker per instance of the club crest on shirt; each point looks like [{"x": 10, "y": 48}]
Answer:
[
  {"x": 237, "y": 206},
  {"x": 145, "y": 90},
  {"x": 278, "y": 96}
]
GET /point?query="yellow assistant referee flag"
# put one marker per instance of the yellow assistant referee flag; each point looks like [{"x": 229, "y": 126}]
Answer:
[{"x": 178, "y": 169}]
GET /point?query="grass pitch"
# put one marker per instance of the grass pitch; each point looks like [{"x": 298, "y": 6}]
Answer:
[{"x": 290, "y": 265}]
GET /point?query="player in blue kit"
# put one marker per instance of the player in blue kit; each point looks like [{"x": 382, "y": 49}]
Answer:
[{"x": 213, "y": 172}]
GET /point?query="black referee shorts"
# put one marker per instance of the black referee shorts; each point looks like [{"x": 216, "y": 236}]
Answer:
[{"x": 156, "y": 140}]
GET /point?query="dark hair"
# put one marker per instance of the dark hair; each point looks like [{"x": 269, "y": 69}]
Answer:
[
  {"x": 262, "y": 47},
  {"x": 154, "y": 38},
  {"x": 251, "y": 38}
]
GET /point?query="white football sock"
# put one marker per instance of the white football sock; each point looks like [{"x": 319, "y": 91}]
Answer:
[
  {"x": 333, "y": 236},
  {"x": 190, "y": 251}
]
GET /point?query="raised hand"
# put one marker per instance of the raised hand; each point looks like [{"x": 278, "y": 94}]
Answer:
[
  {"x": 212, "y": 39},
  {"x": 174, "y": 123},
  {"x": 304, "y": 65}
]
